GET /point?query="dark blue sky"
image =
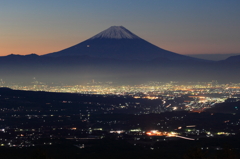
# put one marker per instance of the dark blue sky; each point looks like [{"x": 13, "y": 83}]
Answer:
[{"x": 182, "y": 26}]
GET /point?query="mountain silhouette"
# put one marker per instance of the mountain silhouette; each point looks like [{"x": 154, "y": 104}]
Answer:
[
  {"x": 233, "y": 58},
  {"x": 119, "y": 43},
  {"x": 118, "y": 55}
]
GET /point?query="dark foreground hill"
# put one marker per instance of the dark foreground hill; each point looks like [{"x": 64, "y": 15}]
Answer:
[
  {"x": 53, "y": 125},
  {"x": 108, "y": 149}
]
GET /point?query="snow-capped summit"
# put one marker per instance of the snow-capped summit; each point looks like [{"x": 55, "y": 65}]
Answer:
[{"x": 116, "y": 32}]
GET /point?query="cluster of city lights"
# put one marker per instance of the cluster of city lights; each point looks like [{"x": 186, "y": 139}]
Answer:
[{"x": 159, "y": 133}]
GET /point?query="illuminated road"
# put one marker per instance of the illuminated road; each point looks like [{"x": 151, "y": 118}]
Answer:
[{"x": 186, "y": 138}]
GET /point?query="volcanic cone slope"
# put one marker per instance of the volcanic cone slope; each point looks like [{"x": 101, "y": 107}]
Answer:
[{"x": 119, "y": 43}]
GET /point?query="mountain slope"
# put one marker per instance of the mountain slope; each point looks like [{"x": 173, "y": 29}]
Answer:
[{"x": 119, "y": 43}]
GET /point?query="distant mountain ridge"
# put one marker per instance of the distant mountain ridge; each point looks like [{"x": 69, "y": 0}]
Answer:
[{"x": 233, "y": 58}]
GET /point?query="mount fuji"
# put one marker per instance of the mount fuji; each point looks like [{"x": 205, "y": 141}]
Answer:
[{"x": 117, "y": 42}]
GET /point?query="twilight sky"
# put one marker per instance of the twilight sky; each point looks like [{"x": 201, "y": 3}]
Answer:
[{"x": 181, "y": 26}]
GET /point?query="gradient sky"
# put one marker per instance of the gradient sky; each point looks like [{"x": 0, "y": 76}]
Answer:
[{"x": 181, "y": 26}]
